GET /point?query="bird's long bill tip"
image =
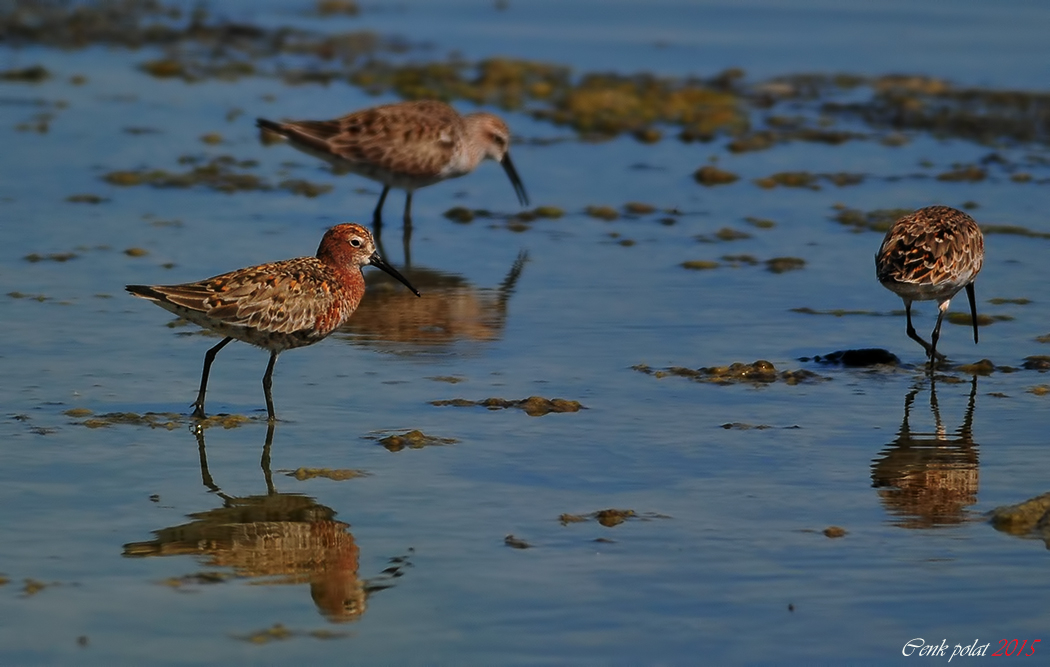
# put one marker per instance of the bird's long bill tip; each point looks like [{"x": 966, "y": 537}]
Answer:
[
  {"x": 515, "y": 180},
  {"x": 973, "y": 309},
  {"x": 377, "y": 261}
]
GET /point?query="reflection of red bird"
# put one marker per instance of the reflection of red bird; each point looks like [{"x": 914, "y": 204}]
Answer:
[{"x": 285, "y": 538}]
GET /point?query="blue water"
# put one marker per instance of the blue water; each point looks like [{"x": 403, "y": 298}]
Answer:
[{"x": 725, "y": 561}]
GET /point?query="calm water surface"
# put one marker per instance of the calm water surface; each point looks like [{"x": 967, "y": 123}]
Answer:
[{"x": 159, "y": 543}]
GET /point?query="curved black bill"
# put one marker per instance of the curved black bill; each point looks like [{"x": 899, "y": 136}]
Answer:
[
  {"x": 973, "y": 309},
  {"x": 512, "y": 174},
  {"x": 380, "y": 263}
]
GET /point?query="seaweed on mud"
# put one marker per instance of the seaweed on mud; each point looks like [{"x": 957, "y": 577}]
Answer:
[
  {"x": 879, "y": 220},
  {"x": 516, "y": 542},
  {"x": 709, "y": 176},
  {"x": 165, "y": 420},
  {"x": 534, "y": 406},
  {"x": 460, "y": 214},
  {"x": 334, "y": 474},
  {"x": 31, "y": 587},
  {"x": 758, "y": 373},
  {"x": 638, "y": 208},
  {"x": 414, "y": 439},
  {"x": 981, "y": 367},
  {"x": 805, "y": 179},
  {"x": 50, "y": 257},
  {"x": 1015, "y": 230},
  {"x": 784, "y": 264},
  {"x": 983, "y": 320},
  {"x": 200, "y": 43},
  {"x": 607, "y": 213},
  {"x": 968, "y": 173},
  {"x": 760, "y": 223},
  {"x": 610, "y": 517},
  {"x": 223, "y": 173},
  {"x": 1030, "y": 518},
  {"x": 901, "y": 103},
  {"x": 1020, "y": 301},
  {"x": 86, "y": 199},
  {"x": 700, "y": 265},
  {"x": 723, "y": 234},
  {"x": 31, "y": 74}
]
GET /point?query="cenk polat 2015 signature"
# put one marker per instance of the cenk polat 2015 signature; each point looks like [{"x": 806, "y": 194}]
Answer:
[{"x": 1007, "y": 647}]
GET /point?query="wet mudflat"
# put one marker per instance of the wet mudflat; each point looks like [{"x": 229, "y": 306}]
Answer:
[{"x": 665, "y": 412}]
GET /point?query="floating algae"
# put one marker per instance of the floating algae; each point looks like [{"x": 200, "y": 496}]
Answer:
[
  {"x": 534, "y": 406},
  {"x": 758, "y": 373}
]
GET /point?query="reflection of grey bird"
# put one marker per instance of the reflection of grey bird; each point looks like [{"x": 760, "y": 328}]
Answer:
[
  {"x": 277, "y": 306},
  {"x": 408, "y": 145},
  {"x": 930, "y": 255},
  {"x": 454, "y": 312}
]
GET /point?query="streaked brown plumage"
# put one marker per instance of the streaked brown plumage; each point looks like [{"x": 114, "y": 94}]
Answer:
[
  {"x": 277, "y": 306},
  {"x": 408, "y": 145},
  {"x": 930, "y": 255}
]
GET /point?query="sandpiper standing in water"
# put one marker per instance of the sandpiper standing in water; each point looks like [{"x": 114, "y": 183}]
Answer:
[
  {"x": 930, "y": 255},
  {"x": 277, "y": 306},
  {"x": 408, "y": 145}
]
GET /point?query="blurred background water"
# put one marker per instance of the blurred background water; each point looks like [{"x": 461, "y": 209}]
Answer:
[{"x": 131, "y": 535}]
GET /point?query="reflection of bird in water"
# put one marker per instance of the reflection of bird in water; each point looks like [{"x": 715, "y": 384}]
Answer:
[
  {"x": 408, "y": 145},
  {"x": 454, "y": 311},
  {"x": 286, "y": 537},
  {"x": 929, "y": 479},
  {"x": 930, "y": 255}
]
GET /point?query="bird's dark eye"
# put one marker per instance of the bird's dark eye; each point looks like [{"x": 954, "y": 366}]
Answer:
[
  {"x": 499, "y": 140},
  {"x": 355, "y": 242}
]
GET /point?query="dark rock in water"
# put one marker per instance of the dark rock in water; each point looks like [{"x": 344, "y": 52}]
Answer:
[
  {"x": 1037, "y": 363},
  {"x": 872, "y": 356}
]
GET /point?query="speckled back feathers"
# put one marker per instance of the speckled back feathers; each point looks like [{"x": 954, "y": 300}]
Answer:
[
  {"x": 931, "y": 253},
  {"x": 280, "y": 305},
  {"x": 408, "y": 144}
]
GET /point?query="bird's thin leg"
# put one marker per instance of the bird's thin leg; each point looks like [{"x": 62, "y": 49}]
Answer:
[
  {"x": 406, "y": 232},
  {"x": 267, "y": 383},
  {"x": 209, "y": 356},
  {"x": 377, "y": 216},
  {"x": 911, "y": 329},
  {"x": 915, "y": 336},
  {"x": 935, "y": 336},
  {"x": 973, "y": 309}
]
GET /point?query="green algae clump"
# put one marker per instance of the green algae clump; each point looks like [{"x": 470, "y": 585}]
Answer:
[
  {"x": 710, "y": 176},
  {"x": 414, "y": 439}
]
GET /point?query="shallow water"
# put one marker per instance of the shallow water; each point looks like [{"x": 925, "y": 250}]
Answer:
[{"x": 731, "y": 485}]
